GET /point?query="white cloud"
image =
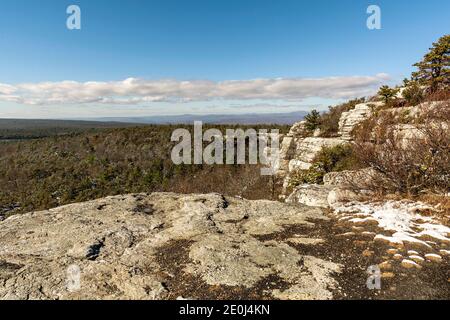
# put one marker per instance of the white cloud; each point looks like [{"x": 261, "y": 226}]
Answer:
[{"x": 134, "y": 91}]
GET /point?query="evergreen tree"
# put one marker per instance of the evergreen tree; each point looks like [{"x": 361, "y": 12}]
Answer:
[
  {"x": 312, "y": 120},
  {"x": 387, "y": 93},
  {"x": 413, "y": 93},
  {"x": 434, "y": 69}
]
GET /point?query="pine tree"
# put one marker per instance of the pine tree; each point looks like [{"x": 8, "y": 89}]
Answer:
[
  {"x": 413, "y": 93},
  {"x": 387, "y": 93},
  {"x": 312, "y": 120},
  {"x": 434, "y": 69}
]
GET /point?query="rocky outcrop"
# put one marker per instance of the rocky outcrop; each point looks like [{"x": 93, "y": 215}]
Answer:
[
  {"x": 415, "y": 112},
  {"x": 307, "y": 149},
  {"x": 414, "y": 123},
  {"x": 161, "y": 246},
  {"x": 353, "y": 179},
  {"x": 351, "y": 118},
  {"x": 324, "y": 196},
  {"x": 310, "y": 195},
  {"x": 298, "y": 153},
  {"x": 405, "y": 133},
  {"x": 298, "y": 150},
  {"x": 289, "y": 145}
]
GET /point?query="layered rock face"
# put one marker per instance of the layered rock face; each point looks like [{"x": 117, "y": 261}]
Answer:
[
  {"x": 417, "y": 111},
  {"x": 299, "y": 150},
  {"x": 307, "y": 149},
  {"x": 289, "y": 145},
  {"x": 416, "y": 128},
  {"x": 160, "y": 246},
  {"x": 353, "y": 117},
  {"x": 411, "y": 124}
]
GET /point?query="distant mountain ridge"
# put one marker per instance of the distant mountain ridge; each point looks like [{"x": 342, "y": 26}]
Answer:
[
  {"x": 248, "y": 118},
  {"x": 19, "y": 129},
  {"x": 14, "y": 124}
]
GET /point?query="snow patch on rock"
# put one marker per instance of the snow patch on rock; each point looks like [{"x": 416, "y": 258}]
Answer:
[{"x": 403, "y": 220}]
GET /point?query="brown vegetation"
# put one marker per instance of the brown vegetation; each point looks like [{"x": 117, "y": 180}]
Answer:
[
  {"x": 412, "y": 160},
  {"x": 45, "y": 173}
]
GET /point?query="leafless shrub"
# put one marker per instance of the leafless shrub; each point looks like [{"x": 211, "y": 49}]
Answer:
[
  {"x": 439, "y": 95},
  {"x": 411, "y": 159}
]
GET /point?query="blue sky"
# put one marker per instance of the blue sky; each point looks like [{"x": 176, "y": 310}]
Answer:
[{"x": 203, "y": 56}]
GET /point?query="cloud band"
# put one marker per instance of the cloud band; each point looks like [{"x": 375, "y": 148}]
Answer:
[{"x": 134, "y": 91}]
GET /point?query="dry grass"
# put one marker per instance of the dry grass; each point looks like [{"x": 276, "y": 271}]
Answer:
[{"x": 440, "y": 201}]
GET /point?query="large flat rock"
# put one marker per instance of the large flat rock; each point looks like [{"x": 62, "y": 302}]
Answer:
[{"x": 131, "y": 246}]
